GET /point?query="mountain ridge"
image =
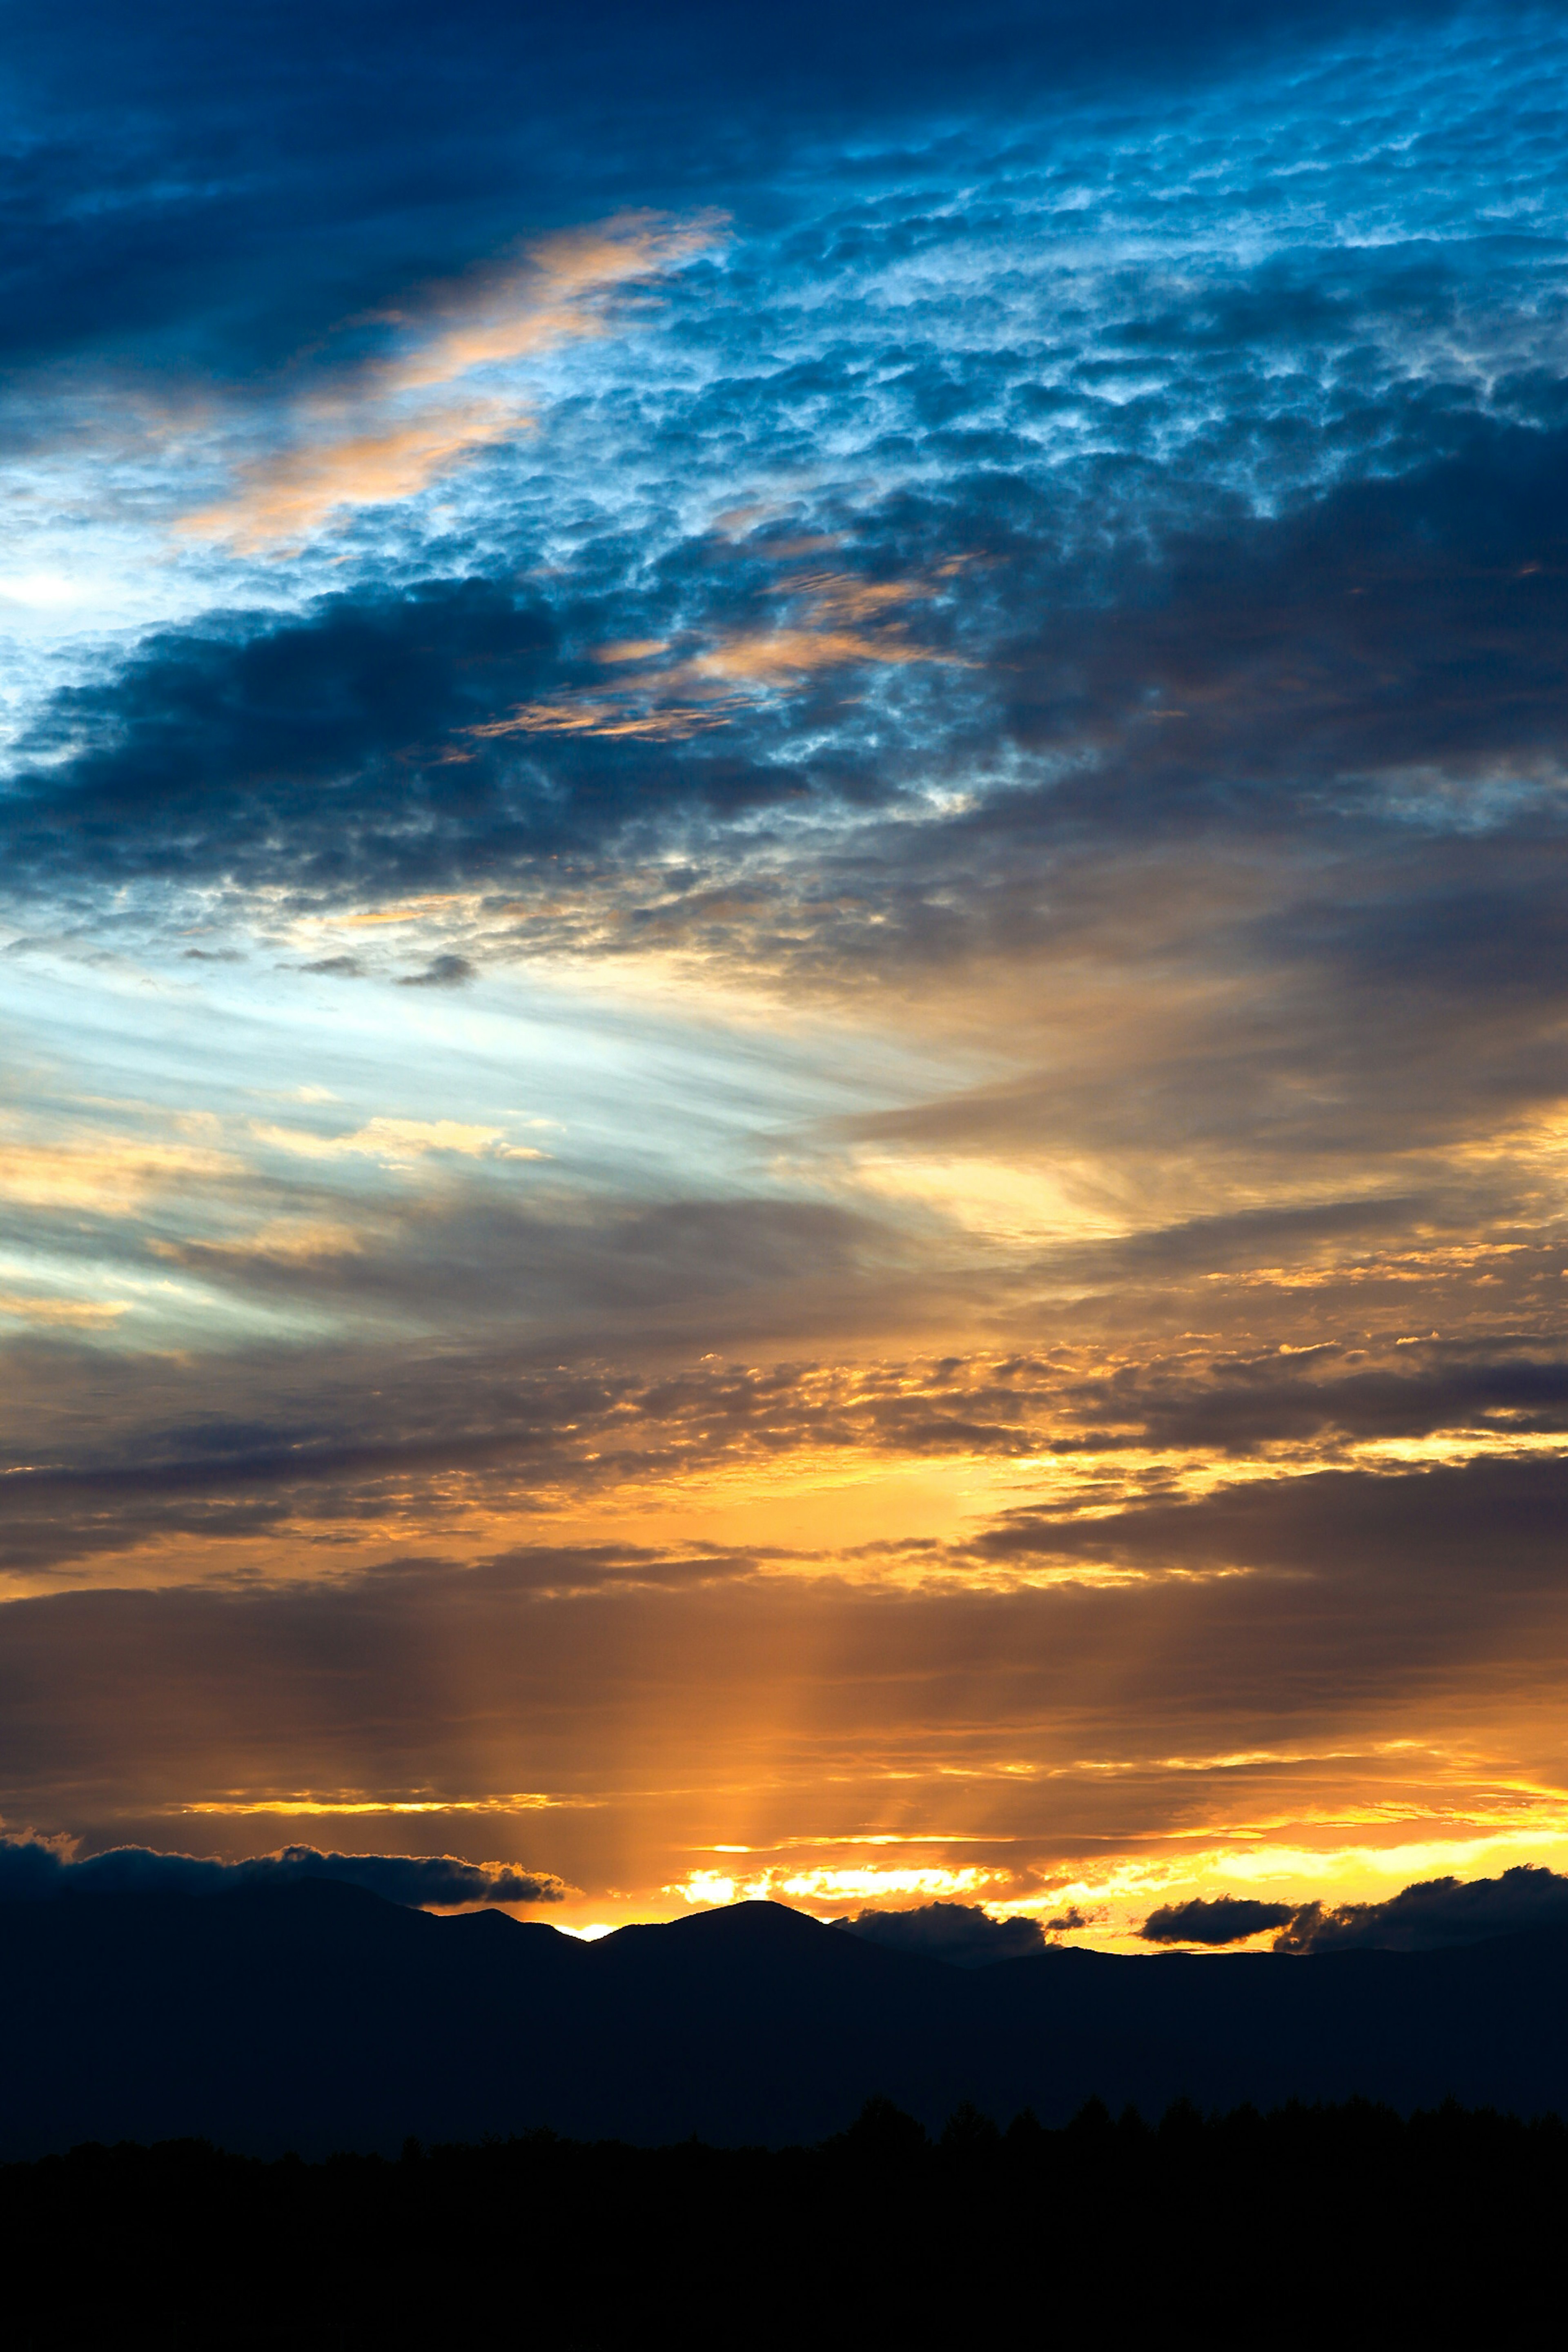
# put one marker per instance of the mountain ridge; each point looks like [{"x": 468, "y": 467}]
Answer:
[{"x": 318, "y": 2016}]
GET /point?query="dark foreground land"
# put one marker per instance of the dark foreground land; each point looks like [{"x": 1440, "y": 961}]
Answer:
[
  {"x": 1347, "y": 2224},
  {"x": 316, "y": 2018}
]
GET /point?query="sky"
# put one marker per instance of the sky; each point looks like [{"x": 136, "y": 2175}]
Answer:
[{"x": 782, "y": 921}]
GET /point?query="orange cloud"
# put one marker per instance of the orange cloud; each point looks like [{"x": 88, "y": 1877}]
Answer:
[
  {"x": 528, "y": 1801},
  {"x": 556, "y": 295},
  {"x": 282, "y": 497},
  {"x": 758, "y": 661},
  {"x": 404, "y": 420},
  {"x": 595, "y": 715},
  {"x": 824, "y": 636}
]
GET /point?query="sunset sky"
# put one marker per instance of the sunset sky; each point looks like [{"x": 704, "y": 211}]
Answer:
[{"x": 782, "y": 890}]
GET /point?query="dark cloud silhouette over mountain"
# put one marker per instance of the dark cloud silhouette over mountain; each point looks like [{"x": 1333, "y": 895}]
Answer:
[
  {"x": 1428, "y": 1916},
  {"x": 960, "y": 1933},
  {"x": 36, "y": 1870},
  {"x": 1221, "y": 1919},
  {"x": 1434, "y": 1913}
]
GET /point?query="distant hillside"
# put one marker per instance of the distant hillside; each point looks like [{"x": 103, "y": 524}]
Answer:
[{"x": 316, "y": 2016}]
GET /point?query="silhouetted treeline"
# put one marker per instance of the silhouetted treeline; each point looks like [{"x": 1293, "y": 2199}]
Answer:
[{"x": 1329, "y": 2220}]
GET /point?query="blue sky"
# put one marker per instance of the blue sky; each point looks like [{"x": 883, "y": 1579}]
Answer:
[{"x": 782, "y": 848}]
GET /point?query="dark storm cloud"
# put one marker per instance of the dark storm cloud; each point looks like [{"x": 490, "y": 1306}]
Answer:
[
  {"x": 1367, "y": 688},
  {"x": 1224, "y": 1919},
  {"x": 34, "y": 1870},
  {"x": 228, "y": 749},
  {"x": 962, "y": 1934}
]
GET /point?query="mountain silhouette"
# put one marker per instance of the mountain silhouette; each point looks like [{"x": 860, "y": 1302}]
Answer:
[{"x": 316, "y": 2016}]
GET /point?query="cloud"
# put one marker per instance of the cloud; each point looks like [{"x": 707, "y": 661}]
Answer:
[
  {"x": 698, "y": 1266},
  {"x": 1336, "y": 1531},
  {"x": 212, "y": 1445},
  {"x": 392, "y": 1140},
  {"x": 1220, "y": 1919},
  {"x": 1166, "y": 1714},
  {"x": 442, "y": 971},
  {"x": 352, "y": 152},
  {"x": 1427, "y": 1916},
  {"x": 67, "y": 1313},
  {"x": 193, "y": 759},
  {"x": 761, "y": 662},
  {"x": 962, "y": 1934},
  {"x": 624, "y": 717},
  {"x": 283, "y": 499},
  {"x": 108, "y": 1172},
  {"x": 397, "y": 424},
  {"x": 1434, "y": 1913},
  {"x": 33, "y": 1869}
]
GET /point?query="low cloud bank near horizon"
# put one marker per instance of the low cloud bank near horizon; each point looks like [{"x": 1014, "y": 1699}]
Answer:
[
  {"x": 1425, "y": 1916},
  {"x": 37, "y": 1869},
  {"x": 1224, "y": 1919},
  {"x": 962, "y": 1934}
]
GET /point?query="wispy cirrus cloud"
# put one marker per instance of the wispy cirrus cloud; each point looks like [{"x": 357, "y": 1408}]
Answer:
[{"x": 104, "y": 1172}]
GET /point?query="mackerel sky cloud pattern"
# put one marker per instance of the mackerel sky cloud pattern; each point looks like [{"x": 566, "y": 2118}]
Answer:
[{"x": 782, "y": 863}]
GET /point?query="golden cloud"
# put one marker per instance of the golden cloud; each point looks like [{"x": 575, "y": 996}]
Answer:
[
  {"x": 392, "y": 1140},
  {"x": 67, "y": 1314},
  {"x": 109, "y": 1173}
]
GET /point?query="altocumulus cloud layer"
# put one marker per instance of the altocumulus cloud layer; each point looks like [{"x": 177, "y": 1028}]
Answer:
[{"x": 783, "y": 875}]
